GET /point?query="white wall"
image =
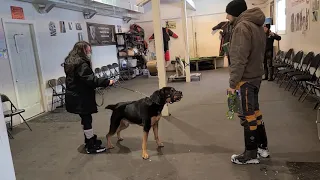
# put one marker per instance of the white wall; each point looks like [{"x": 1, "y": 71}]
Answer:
[
  {"x": 6, "y": 164},
  {"x": 53, "y": 49}
]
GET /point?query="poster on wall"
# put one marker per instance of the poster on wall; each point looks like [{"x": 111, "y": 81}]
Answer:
[
  {"x": 78, "y": 26},
  {"x": 171, "y": 24},
  {"x": 3, "y": 47},
  {"x": 101, "y": 34},
  {"x": 52, "y": 29},
  {"x": 62, "y": 27},
  {"x": 70, "y": 25},
  {"x": 119, "y": 29},
  {"x": 17, "y": 12},
  {"x": 80, "y": 36},
  {"x": 315, "y": 10}
]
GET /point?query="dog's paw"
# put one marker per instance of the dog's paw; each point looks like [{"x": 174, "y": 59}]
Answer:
[
  {"x": 160, "y": 144},
  {"x": 110, "y": 146},
  {"x": 120, "y": 139},
  {"x": 145, "y": 155}
]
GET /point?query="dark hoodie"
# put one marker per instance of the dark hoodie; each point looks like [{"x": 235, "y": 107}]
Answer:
[{"x": 247, "y": 48}]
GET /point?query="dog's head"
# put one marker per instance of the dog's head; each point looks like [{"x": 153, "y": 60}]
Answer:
[{"x": 166, "y": 95}]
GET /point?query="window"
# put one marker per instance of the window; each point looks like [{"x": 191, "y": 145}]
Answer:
[{"x": 281, "y": 16}]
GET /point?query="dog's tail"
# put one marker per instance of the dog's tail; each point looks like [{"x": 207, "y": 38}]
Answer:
[{"x": 111, "y": 106}]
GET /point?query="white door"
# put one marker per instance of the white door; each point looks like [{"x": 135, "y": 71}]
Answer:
[{"x": 24, "y": 71}]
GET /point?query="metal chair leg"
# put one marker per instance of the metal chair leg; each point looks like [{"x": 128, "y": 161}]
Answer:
[
  {"x": 289, "y": 83},
  {"x": 25, "y": 122},
  {"x": 305, "y": 97},
  {"x": 303, "y": 92},
  {"x": 10, "y": 135},
  {"x": 315, "y": 107},
  {"x": 282, "y": 81}
]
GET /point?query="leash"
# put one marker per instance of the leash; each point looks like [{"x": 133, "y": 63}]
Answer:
[
  {"x": 233, "y": 105},
  {"x": 100, "y": 91}
]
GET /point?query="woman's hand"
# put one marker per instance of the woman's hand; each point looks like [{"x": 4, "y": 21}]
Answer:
[{"x": 111, "y": 82}]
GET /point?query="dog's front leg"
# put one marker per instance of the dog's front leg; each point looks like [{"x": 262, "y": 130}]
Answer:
[
  {"x": 145, "y": 155},
  {"x": 155, "y": 128}
]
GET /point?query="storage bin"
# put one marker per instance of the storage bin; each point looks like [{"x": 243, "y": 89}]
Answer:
[{"x": 132, "y": 62}]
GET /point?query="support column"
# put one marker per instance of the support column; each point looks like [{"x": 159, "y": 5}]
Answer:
[
  {"x": 158, "y": 37},
  {"x": 184, "y": 17}
]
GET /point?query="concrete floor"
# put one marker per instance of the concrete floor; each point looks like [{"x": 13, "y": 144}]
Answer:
[{"x": 198, "y": 139}]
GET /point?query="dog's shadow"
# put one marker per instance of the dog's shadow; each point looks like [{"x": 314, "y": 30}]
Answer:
[{"x": 122, "y": 147}]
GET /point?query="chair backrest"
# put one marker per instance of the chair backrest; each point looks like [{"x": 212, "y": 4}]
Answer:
[
  {"x": 298, "y": 57},
  {"x": 110, "y": 67},
  {"x": 314, "y": 65},
  {"x": 288, "y": 56},
  {"x": 4, "y": 98},
  {"x": 115, "y": 65},
  {"x": 97, "y": 70},
  {"x": 53, "y": 83},
  {"x": 307, "y": 59},
  {"x": 61, "y": 80}
]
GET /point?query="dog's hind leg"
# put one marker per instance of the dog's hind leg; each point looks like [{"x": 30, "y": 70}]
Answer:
[
  {"x": 114, "y": 125},
  {"x": 155, "y": 128},
  {"x": 124, "y": 124}
]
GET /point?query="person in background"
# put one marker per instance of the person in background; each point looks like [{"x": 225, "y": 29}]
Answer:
[
  {"x": 246, "y": 52},
  {"x": 80, "y": 91},
  {"x": 225, "y": 36},
  {"x": 268, "y": 57}
]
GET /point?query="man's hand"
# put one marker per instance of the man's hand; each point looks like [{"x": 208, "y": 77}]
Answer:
[
  {"x": 271, "y": 33},
  {"x": 230, "y": 90},
  {"x": 111, "y": 82}
]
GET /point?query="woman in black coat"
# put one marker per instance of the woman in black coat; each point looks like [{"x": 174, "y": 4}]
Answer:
[{"x": 80, "y": 91}]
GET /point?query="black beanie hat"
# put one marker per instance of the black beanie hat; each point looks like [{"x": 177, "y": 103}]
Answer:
[{"x": 236, "y": 7}]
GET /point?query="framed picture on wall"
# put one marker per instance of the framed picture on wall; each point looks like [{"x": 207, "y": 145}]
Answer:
[
  {"x": 80, "y": 36},
  {"x": 78, "y": 26},
  {"x": 62, "y": 27},
  {"x": 101, "y": 34}
]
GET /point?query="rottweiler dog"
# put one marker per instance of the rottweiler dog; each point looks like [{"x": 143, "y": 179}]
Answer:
[{"x": 145, "y": 112}]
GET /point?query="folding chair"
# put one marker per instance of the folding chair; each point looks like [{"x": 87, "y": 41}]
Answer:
[
  {"x": 304, "y": 69},
  {"x": 112, "y": 73},
  {"x": 282, "y": 63},
  {"x": 300, "y": 80},
  {"x": 53, "y": 84},
  {"x": 97, "y": 72},
  {"x": 12, "y": 112},
  {"x": 312, "y": 88},
  {"x": 115, "y": 66},
  {"x": 62, "y": 83},
  {"x": 293, "y": 66}
]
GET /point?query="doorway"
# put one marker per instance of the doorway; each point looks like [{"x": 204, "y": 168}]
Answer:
[{"x": 25, "y": 73}]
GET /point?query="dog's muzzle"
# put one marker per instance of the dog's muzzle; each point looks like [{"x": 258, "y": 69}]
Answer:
[{"x": 176, "y": 96}]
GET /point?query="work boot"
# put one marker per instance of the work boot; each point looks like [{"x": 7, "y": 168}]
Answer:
[
  {"x": 93, "y": 145},
  {"x": 262, "y": 142},
  {"x": 249, "y": 156}
]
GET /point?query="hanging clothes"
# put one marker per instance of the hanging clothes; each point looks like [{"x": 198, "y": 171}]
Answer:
[
  {"x": 166, "y": 38},
  {"x": 225, "y": 34}
]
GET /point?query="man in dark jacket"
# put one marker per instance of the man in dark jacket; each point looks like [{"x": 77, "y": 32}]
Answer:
[
  {"x": 80, "y": 91},
  {"x": 268, "y": 57},
  {"x": 247, "y": 48}
]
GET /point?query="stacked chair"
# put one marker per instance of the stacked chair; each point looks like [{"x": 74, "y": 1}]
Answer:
[{"x": 298, "y": 71}]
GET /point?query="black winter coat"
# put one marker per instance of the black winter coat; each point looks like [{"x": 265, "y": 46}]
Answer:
[{"x": 80, "y": 86}]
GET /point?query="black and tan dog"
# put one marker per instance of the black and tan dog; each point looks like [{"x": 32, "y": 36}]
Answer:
[{"x": 145, "y": 112}]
